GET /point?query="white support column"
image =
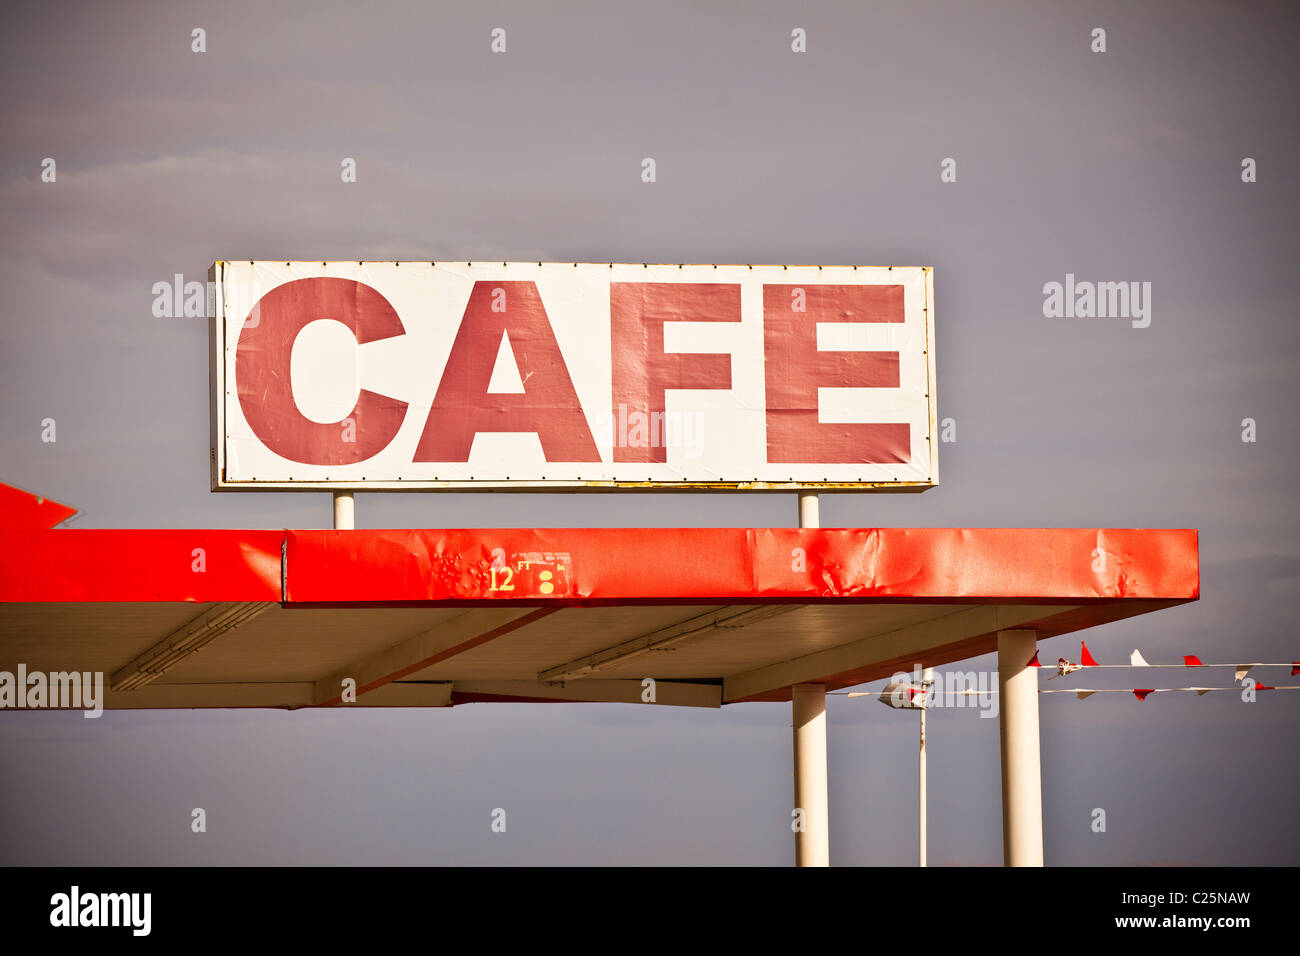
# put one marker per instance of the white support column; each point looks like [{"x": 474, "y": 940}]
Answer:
[
  {"x": 1022, "y": 787},
  {"x": 344, "y": 516},
  {"x": 812, "y": 845}
]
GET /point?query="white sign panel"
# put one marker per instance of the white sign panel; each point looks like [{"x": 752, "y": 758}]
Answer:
[{"x": 419, "y": 375}]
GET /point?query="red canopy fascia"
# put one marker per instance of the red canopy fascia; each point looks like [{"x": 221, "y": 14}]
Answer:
[{"x": 572, "y": 567}]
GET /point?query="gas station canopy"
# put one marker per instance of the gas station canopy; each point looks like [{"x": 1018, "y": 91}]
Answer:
[{"x": 265, "y": 618}]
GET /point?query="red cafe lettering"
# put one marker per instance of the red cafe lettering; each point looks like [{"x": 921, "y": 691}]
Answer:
[{"x": 643, "y": 370}]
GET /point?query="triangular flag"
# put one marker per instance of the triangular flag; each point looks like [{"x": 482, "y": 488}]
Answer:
[
  {"x": 1084, "y": 657},
  {"x": 1033, "y": 661},
  {"x": 1264, "y": 687},
  {"x": 1242, "y": 671},
  {"x": 1295, "y": 668},
  {"x": 1191, "y": 660},
  {"x": 1083, "y": 694},
  {"x": 1201, "y": 691},
  {"x": 1136, "y": 660},
  {"x": 1142, "y": 692}
]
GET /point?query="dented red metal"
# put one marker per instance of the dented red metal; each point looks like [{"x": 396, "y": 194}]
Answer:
[{"x": 601, "y": 566}]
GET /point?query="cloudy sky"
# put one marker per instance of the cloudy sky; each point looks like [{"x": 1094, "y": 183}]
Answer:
[{"x": 1122, "y": 165}]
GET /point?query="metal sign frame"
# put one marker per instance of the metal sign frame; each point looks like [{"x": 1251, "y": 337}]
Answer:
[{"x": 221, "y": 371}]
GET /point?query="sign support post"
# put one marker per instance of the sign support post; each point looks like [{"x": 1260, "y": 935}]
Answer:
[{"x": 344, "y": 514}]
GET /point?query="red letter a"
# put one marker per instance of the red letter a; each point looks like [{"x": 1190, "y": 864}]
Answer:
[{"x": 549, "y": 406}]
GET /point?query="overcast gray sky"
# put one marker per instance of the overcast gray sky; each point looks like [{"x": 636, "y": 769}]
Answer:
[{"x": 1122, "y": 165}]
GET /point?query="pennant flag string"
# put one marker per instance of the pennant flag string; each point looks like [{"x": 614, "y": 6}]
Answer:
[
  {"x": 1142, "y": 692},
  {"x": 1065, "y": 666},
  {"x": 1081, "y": 692},
  {"x": 1197, "y": 664}
]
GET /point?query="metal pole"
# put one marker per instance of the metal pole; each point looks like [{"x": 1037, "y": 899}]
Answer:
[
  {"x": 921, "y": 768},
  {"x": 1022, "y": 786},
  {"x": 808, "y": 706},
  {"x": 927, "y": 681},
  {"x": 344, "y": 515}
]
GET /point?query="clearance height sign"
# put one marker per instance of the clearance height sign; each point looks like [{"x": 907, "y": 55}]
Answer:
[{"x": 419, "y": 375}]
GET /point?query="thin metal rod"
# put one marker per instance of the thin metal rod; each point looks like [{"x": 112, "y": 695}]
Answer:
[{"x": 921, "y": 798}]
